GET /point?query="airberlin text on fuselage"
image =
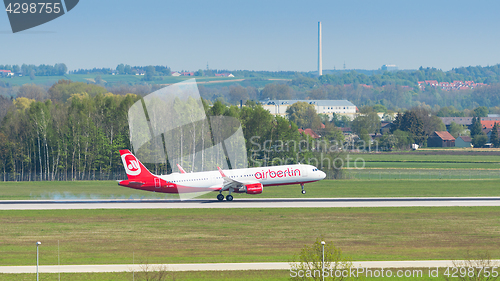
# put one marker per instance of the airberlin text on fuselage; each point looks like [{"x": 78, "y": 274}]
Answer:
[{"x": 277, "y": 174}]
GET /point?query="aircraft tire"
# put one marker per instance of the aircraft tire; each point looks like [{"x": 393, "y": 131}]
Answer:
[
  {"x": 229, "y": 198},
  {"x": 220, "y": 197},
  {"x": 303, "y": 192}
]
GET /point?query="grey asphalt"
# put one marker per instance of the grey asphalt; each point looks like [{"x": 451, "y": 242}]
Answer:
[
  {"x": 218, "y": 266},
  {"x": 250, "y": 203}
]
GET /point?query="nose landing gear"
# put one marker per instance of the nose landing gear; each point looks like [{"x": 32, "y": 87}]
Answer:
[{"x": 303, "y": 190}]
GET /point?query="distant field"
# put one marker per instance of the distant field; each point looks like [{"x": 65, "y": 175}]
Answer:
[
  {"x": 245, "y": 235},
  {"x": 369, "y": 186},
  {"x": 134, "y": 79},
  {"x": 425, "y": 160}
]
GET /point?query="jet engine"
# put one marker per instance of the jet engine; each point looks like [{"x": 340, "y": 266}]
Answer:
[{"x": 254, "y": 188}]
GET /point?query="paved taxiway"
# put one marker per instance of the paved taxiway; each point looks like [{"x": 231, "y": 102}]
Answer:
[
  {"x": 218, "y": 266},
  {"x": 251, "y": 203}
]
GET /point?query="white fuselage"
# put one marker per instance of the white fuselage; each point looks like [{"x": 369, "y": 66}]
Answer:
[{"x": 275, "y": 175}]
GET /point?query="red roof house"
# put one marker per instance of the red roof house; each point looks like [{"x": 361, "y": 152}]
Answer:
[
  {"x": 441, "y": 139},
  {"x": 309, "y": 132}
]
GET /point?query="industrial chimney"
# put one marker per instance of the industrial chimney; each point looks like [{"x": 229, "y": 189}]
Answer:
[{"x": 320, "y": 58}]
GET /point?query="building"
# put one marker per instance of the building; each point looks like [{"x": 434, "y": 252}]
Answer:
[
  {"x": 5, "y": 73},
  {"x": 310, "y": 132},
  {"x": 175, "y": 74},
  {"x": 385, "y": 127},
  {"x": 328, "y": 107},
  {"x": 487, "y": 132},
  {"x": 467, "y": 121},
  {"x": 224, "y": 75},
  {"x": 463, "y": 141},
  {"x": 449, "y": 86},
  {"x": 441, "y": 139},
  {"x": 488, "y": 123},
  {"x": 389, "y": 67}
]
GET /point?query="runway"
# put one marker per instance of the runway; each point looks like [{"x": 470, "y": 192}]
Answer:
[
  {"x": 251, "y": 203},
  {"x": 432, "y": 264}
]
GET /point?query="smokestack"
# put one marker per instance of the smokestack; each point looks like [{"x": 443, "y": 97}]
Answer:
[{"x": 320, "y": 57}]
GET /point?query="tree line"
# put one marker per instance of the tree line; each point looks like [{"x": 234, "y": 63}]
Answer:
[
  {"x": 58, "y": 69},
  {"x": 75, "y": 130}
]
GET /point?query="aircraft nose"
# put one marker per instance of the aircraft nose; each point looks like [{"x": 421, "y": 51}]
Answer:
[{"x": 322, "y": 174}]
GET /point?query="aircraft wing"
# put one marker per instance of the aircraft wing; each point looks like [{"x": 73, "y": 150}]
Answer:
[{"x": 231, "y": 183}]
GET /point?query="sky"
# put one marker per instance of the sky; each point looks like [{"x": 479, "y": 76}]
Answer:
[{"x": 262, "y": 35}]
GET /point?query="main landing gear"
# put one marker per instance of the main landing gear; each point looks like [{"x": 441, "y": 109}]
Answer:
[
  {"x": 220, "y": 197},
  {"x": 303, "y": 190}
]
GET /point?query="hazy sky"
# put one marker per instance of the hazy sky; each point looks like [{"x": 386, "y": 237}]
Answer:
[{"x": 262, "y": 35}]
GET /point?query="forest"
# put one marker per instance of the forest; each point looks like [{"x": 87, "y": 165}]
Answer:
[{"x": 75, "y": 130}]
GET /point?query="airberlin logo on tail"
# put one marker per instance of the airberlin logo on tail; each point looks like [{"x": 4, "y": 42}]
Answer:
[
  {"x": 131, "y": 164},
  {"x": 25, "y": 14}
]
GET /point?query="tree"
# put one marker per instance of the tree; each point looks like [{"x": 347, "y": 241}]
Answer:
[
  {"x": 276, "y": 91},
  {"x": 98, "y": 80},
  {"x": 120, "y": 68},
  {"x": 32, "y": 75},
  {"x": 402, "y": 139},
  {"x": 237, "y": 93},
  {"x": 479, "y": 140},
  {"x": 388, "y": 142},
  {"x": 61, "y": 69},
  {"x": 379, "y": 108},
  {"x": 199, "y": 73},
  {"x": 369, "y": 122},
  {"x": 457, "y": 130},
  {"x": 150, "y": 72},
  {"x": 430, "y": 122},
  {"x": 32, "y": 91},
  {"x": 127, "y": 69},
  {"x": 476, "y": 127},
  {"x": 412, "y": 124},
  {"x": 396, "y": 124},
  {"x": 308, "y": 265},
  {"x": 481, "y": 111},
  {"x": 494, "y": 136},
  {"x": 304, "y": 115}
]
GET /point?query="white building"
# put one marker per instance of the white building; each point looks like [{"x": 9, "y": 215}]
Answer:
[{"x": 328, "y": 107}]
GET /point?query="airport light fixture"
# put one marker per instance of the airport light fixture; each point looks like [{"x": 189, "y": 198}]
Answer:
[
  {"x": 323, "y": 263},
  {"x": 37, "y": 244}
]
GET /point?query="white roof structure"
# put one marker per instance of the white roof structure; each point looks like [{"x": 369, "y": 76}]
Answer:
[
  {"x": 328, "y": 107},
  {"x": 314, "y": 102}
]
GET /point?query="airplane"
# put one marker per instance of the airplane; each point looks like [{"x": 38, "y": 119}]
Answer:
[{"x": 248, "y": 180}]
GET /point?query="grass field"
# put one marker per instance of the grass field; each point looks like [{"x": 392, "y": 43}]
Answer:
[
  {"x": 422, "y": 160},
  {"x": 372, "y": 187},
  {"x": 245, "y": 235},
  {"x": 195, "y": 276},
  {"x": 191, "y": 276}
]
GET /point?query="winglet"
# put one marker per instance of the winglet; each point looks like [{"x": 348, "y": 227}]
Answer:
[
  {"x": 181, "y": 169},
  {"x": 221, "y": 172}
]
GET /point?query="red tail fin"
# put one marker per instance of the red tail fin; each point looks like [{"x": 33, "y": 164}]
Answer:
[{"x": 134, "y": 167}]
